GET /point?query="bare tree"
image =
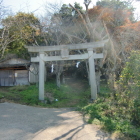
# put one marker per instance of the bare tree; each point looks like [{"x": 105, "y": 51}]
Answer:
[
  {"x": 81, "y": 30},
  {"x": 4, "y": 40},
  {"x": 93, "y": 33}
]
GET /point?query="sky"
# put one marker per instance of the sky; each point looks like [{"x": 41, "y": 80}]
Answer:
[
  {"x": 35, "y": 6},
  {"x": 38, "y": 6}
]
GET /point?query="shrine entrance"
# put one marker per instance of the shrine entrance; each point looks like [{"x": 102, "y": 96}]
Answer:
[{"x": 90, "y": 55}]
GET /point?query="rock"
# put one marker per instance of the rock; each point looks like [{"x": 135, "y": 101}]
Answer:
[{"x": 2, "y": 100}]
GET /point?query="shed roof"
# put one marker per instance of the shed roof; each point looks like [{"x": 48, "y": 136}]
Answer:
[{"x": 14, "y": 62}]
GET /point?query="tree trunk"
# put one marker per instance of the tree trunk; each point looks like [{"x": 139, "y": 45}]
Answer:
[
  {"x": 111, "y": 81},
  {"x": 58, "y": 72},
  {"x": 87, "y": 68},
  {"x": 98, "y": 81},
  {"x": 58, "y": 83},
  {"x": 63, "y": 79}
]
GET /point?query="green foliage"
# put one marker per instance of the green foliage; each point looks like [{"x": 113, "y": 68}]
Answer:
[
  {"x": 21, "y": 29},
  {"x": 65, "y": 96},
  {"x": 68, "y": 14},
  {"x": 30, "y": 96},
  {"x": 65, "y": 11},
  {"x": 111, "y": 116},
  {"x": 129, "y": 84},
  {"x": 1, "y": 96},
  {"x": 120, "y": 112},
  {"x": 77, "y": 6}
]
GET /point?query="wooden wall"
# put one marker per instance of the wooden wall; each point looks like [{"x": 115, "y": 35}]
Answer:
[{"x": 14, "y": 77}]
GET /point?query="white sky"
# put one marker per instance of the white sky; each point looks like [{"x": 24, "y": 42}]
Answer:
[{"x": 37, "y": 6}]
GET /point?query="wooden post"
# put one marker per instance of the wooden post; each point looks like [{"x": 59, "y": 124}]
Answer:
[
  {"x": 92, "y": 74},
  {"x": 41, "y": 75}
]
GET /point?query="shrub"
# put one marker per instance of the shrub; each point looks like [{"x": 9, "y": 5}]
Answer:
[
  {"x": 129, "y": 88},
  {"x": 122, "y": 111}
]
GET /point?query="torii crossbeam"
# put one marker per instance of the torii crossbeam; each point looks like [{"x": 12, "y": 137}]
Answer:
[{"x": 42, "y": 58}]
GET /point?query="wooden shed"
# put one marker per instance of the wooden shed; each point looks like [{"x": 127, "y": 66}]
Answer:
[{"x": 14, "y": 71}]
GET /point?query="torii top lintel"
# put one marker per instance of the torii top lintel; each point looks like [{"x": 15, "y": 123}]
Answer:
[{"x": 94, "y": 45}]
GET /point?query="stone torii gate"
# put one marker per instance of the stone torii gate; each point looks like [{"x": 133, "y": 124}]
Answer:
[{"x": 91, "y": 55}]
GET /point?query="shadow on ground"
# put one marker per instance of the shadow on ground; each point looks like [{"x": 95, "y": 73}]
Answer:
[{"x": 21, "y": 122}]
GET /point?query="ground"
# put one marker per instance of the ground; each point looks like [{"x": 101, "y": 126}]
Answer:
[{"x": 21, "y": 122}]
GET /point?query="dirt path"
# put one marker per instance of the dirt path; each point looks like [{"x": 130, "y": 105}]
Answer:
[
  {"x": 21, "y": 122},
  {"x": 78, "y": 85}
]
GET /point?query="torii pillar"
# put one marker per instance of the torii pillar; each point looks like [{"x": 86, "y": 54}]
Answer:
[
  {"x": 92, "y": 76},
  {"x": 41, "y": 75}
]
